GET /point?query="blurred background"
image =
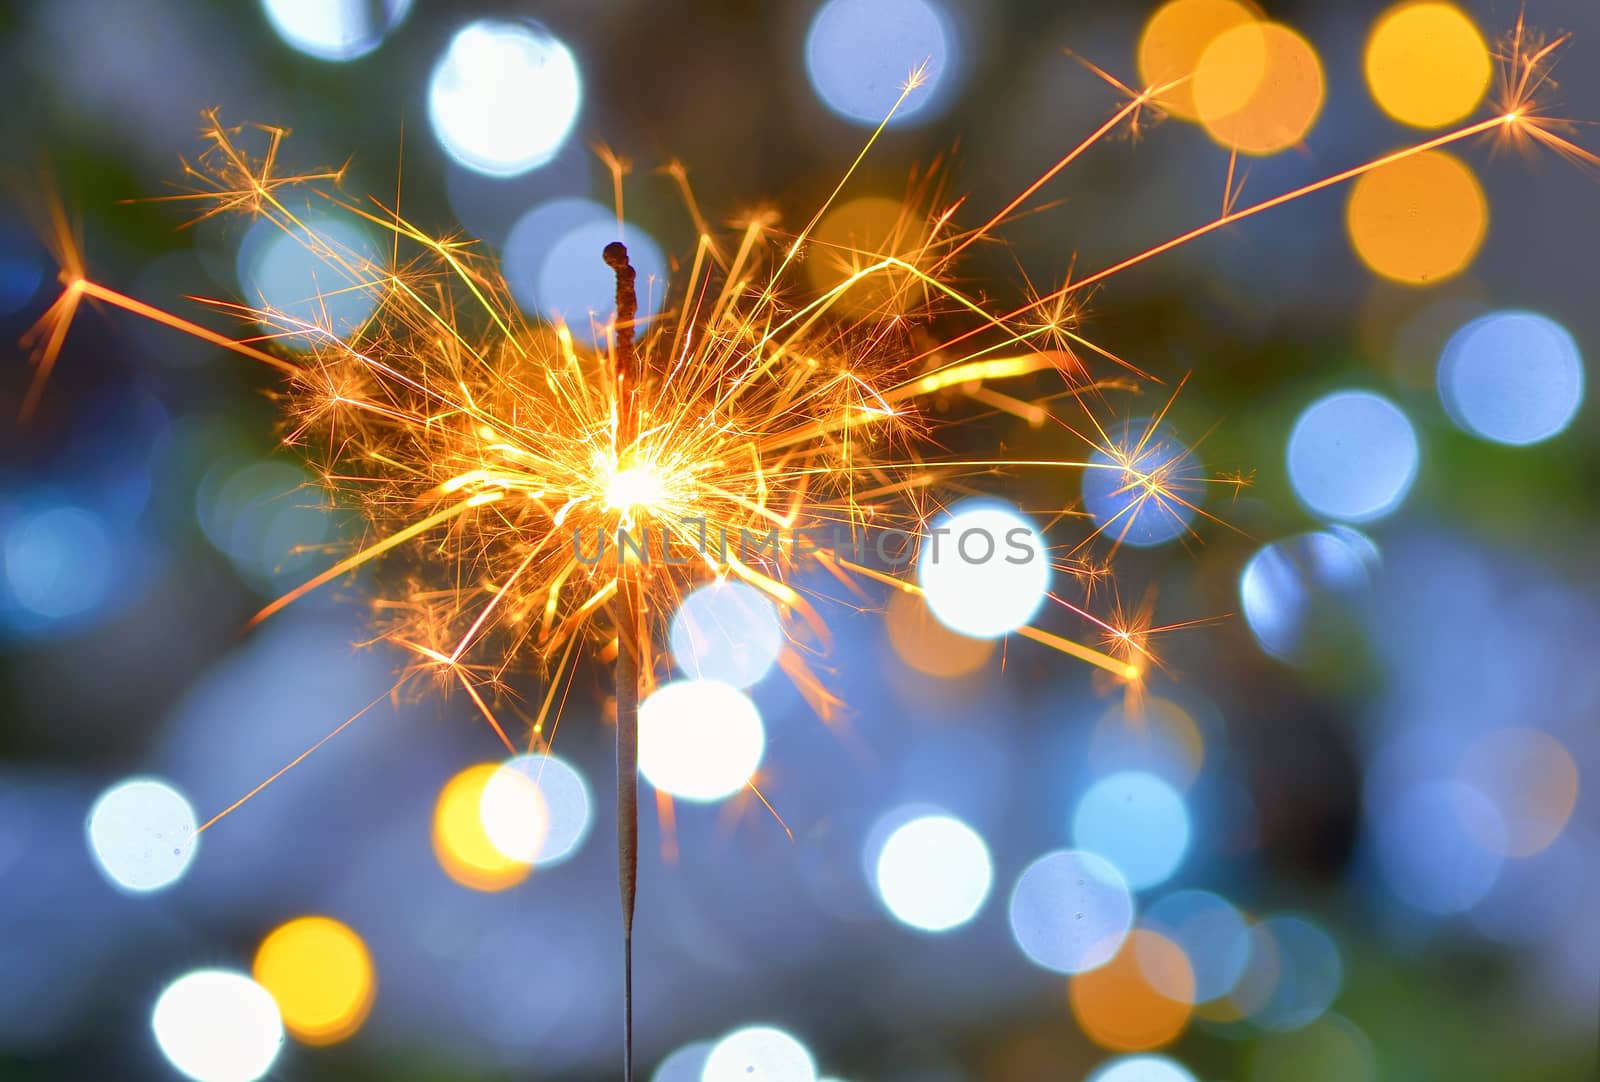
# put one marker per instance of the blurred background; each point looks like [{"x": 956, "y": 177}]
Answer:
[{"x": 1348, "y": 836}]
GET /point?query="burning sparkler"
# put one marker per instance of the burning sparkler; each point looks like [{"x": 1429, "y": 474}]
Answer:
[{"x": 478, "y": 443}]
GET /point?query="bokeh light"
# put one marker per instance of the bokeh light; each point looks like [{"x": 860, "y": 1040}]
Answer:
[
  {"x": 699, "y": 740},
  {"x": 727, "y": 631},
  {"x": 1070, "y": 911},
  {"x": 1151, "y": 734},
  {"x": 512, "y": 809},
  {"x": 1352, "y": 455},
  {"x": 1138, "y": 1001},
  {"x": 320, "y": 974},
  {"x": 1136, "y": 821},
  {"x": 1430, "y": 842},
  {"x": 860, "y": 53},
  {"x": 1142, "y": 1069},
  {"x": 759, "y": 1054},
  {"x": 21, "y": 267},
  {"x": 1512, "y": 377},
  {"x": 1427, "y": 64},
  {"x": 58, "y": 561},
  {"x": 462, "y": 843},
  {"x": 504, "y": 96},
  {"x": 1144, "y": 487},
  {"x": 335, "y": 31},
  {"x": 927, "y": 645},
  {"x": 575, "y": 286},
  {"x": 268, "y": 517},
  {"x": 933, "y": 873},
  {"x": 684, "y": 1064},
  {"x": 1288, "y": 585},
  {"x": 1419, "y": 220},
  {"x": 218, "y": 1026},
  {"x": 1214, "y": 938},
  {"x": 1175, "y": 37},
  {"x": 1532, "y": 781},
  {"x": 289, "y": 273},
  {"x": 544, "y": 827},
  {"x": 984, "y": 570},
  {"x": 852, "y": 236},
  {"x": 1259, "y": 88},
  {"x": 142, "y": 834},
  {"x": 1294, "y": 975}
]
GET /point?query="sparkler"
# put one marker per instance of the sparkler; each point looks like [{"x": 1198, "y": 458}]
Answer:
[{"x": 476, "y": 441}]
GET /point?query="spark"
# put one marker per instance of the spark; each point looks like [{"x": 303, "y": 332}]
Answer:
[{"x": 479, "y": 442}]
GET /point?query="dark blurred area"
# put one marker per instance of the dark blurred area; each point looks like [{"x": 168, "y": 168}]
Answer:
[{"x": 1378, "y": 851}]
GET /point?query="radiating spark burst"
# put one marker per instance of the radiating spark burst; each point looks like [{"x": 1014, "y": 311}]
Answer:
[{"x": 478, "y": 442}]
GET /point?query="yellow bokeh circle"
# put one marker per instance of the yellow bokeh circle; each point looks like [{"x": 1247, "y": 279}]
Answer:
[
  {"x": 1427, "y": 64},
  {"x": 927, "y": 645},
  {"x": 1173, "y": 41},
  {"x": 1140, "y": 1000},
  {"x": 1259, "y": 88},
  {"x": 319, "y": 972},
  {"x": 1418, "y": 220},
  {"x": 460, "y": 842}
]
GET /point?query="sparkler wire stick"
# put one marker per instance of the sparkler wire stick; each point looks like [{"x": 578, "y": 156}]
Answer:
[{"x": 626, "y": 361}]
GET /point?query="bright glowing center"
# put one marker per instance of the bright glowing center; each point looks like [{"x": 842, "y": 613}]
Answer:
[{"x": 636, "y": 486}]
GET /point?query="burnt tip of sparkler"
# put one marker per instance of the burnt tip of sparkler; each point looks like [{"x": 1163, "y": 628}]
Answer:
[{"x": 616, "y": 257}]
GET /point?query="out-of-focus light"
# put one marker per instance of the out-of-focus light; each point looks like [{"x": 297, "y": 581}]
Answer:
[
  {"x": 699, "y": 740},
  {"x": 1174, "y": 39},
  {"x": 1419, "y": 220},
  {"x": 1331, "y": 1049},
  {"x": 1119, "y": 1006},
  {"x": 1295, "y": 974},
  {"x": 21, "y": 268},
  {"x": 218, "y": 1026},
  {"x": 1136, "y": 821},
  {"x": 462, "y": 843},
  {"x": 142, "y": 834},
  {"x": 727, "y": 631},
  {"x": 504, "y": 97},
  {"x": 291, "y": 273},
  {"x": 1213, "y": 935},
  {"x": 759, "y": 1054},
  {"x": 855, "y": 235},
  {"x": 1353, "y": 456},
  {"x": 1143, "y": 490},
  {"x": 334, "y": 31},
  {"x": 933, "y": 873},
  {"x": 1532, "y": 781},
  {"x": 1427, "y": 64},
  {"x": 578, "y": 288},
  {"x": 1285, "y": 583},
  {"x": 569, "y": 281},
  {"x": 684, "y": 1064},
  {"x": 536, "y": 809},
  {"x": 266, "y": 517},
  {"x": 57, "y": 562},
  {"x": 1142, "y": 1069},
  {"x": 512, "y": 808},
  {"x": 1259, "y": 88},
  {"x": 1070, "y": 911},
  {"x": 1154, "y": 735},
  {"x": 1512, "y": 377},
  {"x": 319, "y": 973},
  {"x": 984, "y": 571},
  {"x": 859, "y": 54},
  {"x": 927, "y": 645},
  {"x": 1439, "y": 845}
]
